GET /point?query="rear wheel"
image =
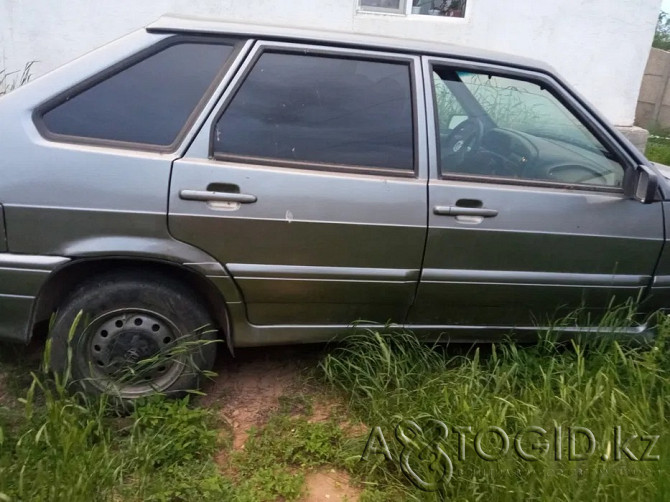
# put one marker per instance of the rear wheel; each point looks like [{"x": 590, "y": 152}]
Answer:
[{"x": 139, "y": 334}]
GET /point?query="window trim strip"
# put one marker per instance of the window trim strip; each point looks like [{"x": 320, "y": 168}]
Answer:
[
  {"x": 313, "y": 166},
  {"x": 530, "y": 183}
]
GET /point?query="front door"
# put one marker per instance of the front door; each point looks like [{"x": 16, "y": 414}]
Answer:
[
  {"x": 309, "y": 184},
  {"x": 527, "y": 217}
]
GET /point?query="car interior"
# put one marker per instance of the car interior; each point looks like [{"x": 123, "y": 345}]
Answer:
[{"x": 502, "y": 127}]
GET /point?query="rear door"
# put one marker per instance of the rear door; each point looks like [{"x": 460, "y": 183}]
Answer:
[
  {"x": 309, "y": 184},
  {"x": 527, "y": 217}
]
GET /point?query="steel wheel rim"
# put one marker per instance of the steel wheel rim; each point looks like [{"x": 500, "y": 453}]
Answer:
[{"x": 129, "y": 352}]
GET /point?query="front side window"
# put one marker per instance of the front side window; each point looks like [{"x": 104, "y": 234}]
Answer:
[
  {"x": 309, "y": 109},
  {"x": 147, "y": 102},
  {"x": 491, "y": 125}
]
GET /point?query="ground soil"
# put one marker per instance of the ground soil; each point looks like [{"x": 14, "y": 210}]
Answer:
[
  {"x": 247, "y": 390},
  {"x": 329, "y": 485}
]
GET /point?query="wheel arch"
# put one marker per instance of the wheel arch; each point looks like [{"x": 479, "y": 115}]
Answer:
[{"x": 65, "y": 279}]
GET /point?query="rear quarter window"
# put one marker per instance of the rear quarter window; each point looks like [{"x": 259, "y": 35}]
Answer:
[{"x": 147, "y": 102}]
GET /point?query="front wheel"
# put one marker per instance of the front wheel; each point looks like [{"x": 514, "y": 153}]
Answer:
[{"x": 138, "y": 334}]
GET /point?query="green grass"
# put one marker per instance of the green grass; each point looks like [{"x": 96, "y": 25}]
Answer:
[
  {"x": 70, "y": 448},
  {"x": 56, "y": 446},
  {"x": 66, "y": 446},
  {"x": 277, "y": 456},
  {"x": 658, "y": 150},
  {"x": 598, "y": 384}
]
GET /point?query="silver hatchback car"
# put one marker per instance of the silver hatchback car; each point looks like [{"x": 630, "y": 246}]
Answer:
[{"x": 276, "y": 185}]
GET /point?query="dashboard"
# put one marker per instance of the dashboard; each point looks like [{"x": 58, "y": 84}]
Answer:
[{"x": 511, "y": 153}]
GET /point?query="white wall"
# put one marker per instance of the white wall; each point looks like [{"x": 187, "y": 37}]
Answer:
[{"x": 600, "y": 46}]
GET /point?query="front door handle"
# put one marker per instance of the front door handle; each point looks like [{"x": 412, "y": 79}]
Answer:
[
  {"x": 208, "y": 196},
  {"x": 465, "y": 211}
]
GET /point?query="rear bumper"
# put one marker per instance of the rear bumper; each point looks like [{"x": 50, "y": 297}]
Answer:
[{"x": 21, "y": 278}]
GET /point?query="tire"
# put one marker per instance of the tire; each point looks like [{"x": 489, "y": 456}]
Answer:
[{"x": 138, "y": 334}]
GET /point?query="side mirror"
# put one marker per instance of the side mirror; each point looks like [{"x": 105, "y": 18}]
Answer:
[{"x": 640, "y": 184}]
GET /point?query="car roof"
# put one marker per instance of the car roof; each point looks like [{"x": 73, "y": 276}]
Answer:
[{"x": 188, "y": 24}]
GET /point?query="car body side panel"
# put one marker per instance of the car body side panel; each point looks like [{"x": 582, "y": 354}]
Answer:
[
  {"x": 65, "y": 201},
  {"x": 3, "y": 233},
  {"x": 82, "y": 200},
  {"x": 317, "y": 246},
  {"x": 106, "y": 190},
  {"x": 291, "y": 265},
  {"x": 44, "y": 183},
  {"x": 659, "y": 297},
  {"x": 546, "y": 253},
  {"x": 21, "y": 277}
]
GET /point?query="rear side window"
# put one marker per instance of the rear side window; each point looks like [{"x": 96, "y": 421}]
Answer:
[
  {"x": 321, "y": 109},
  {"x": 147, "y": 102}
]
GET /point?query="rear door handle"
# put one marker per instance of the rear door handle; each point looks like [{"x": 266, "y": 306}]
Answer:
[
  {"x": 465, "y": 211},
  {"x": 207, "y": 196}
]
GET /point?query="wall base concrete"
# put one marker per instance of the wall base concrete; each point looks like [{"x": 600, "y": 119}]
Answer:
[
  {"x": 635, "y": 135},
  {"x": 653, "y": 105}
]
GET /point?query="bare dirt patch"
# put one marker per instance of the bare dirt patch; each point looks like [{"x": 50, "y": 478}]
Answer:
[
  {"x": 327, "y": 408},
  {"x": 324, "y": 409},
  {"x": 248, "y": 387},
  {"x": 330, "y": 485}
]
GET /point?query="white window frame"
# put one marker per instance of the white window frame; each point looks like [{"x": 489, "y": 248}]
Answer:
[{"x": 404, "y": 8}]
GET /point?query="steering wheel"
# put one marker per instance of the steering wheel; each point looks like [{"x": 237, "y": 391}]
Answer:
[{"x": 463, "y": 140}]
